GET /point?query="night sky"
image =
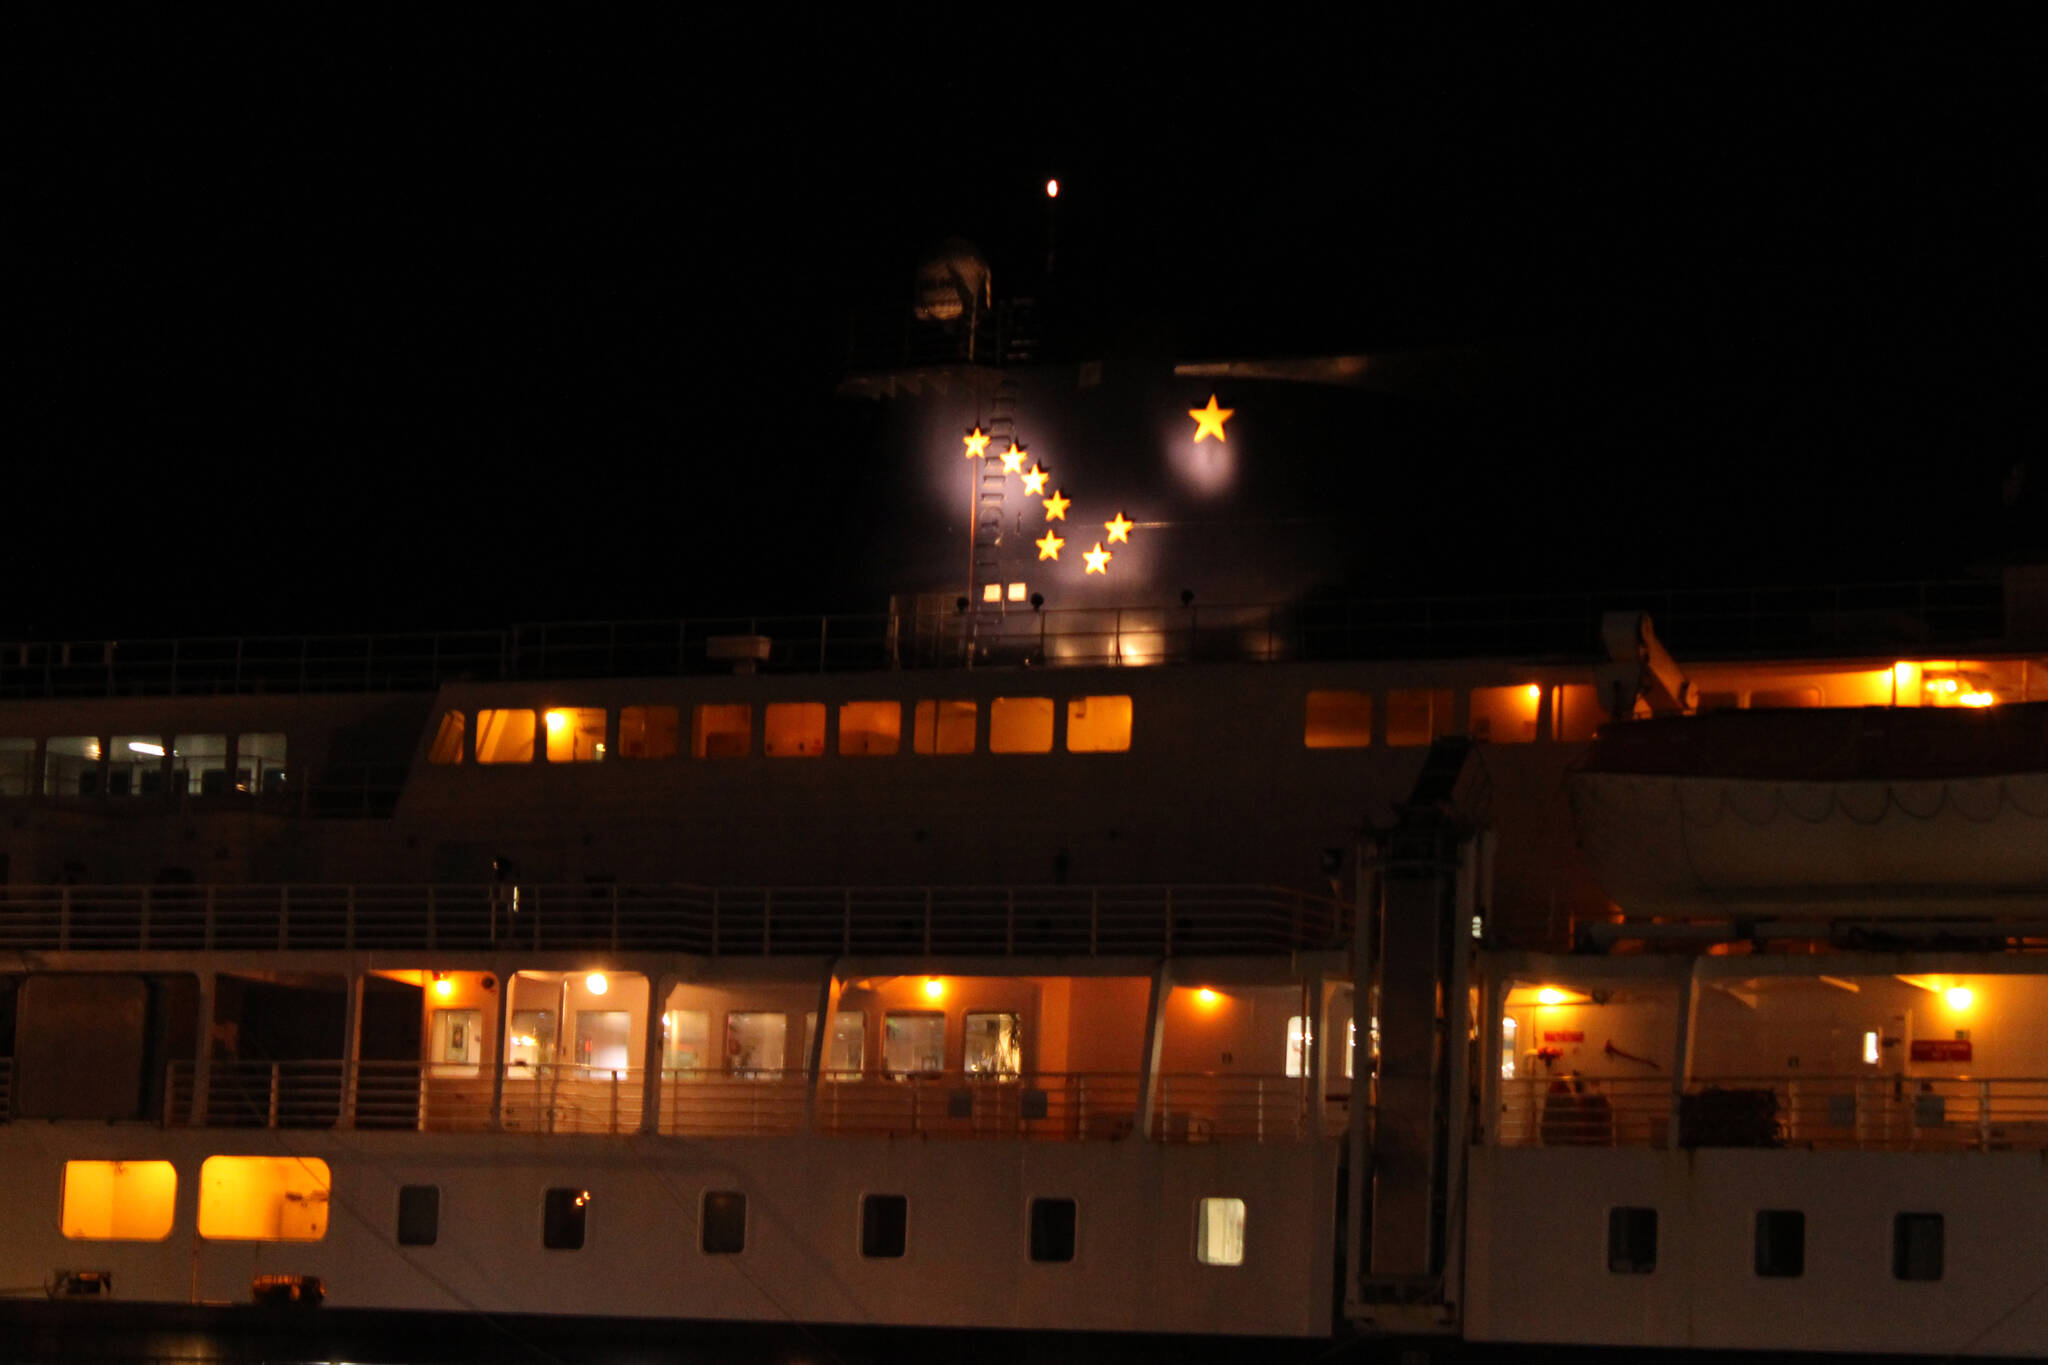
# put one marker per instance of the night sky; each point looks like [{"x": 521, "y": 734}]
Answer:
[{"x": 383, "y": 320}]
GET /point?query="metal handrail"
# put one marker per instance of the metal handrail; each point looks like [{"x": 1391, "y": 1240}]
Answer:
[
  {"x": 1701, "y": 622},
  {"x": 990, "y": 921}
]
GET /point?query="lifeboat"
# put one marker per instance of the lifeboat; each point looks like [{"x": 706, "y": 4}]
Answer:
[{"x": 1906, "y": 811}]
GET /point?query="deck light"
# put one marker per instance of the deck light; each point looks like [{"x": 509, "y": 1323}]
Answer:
[
  {"x": 596, "y": 984},
  {"x": 1959, "y": 998},
  {"x": 1207, "y": 997},
  {"x": 153, "y": 750},
  {"x": 1550, "y": 995},
  {"x": 1535, "y": 692},
  {"x": 1052, "y": 189},
  {"x": 933, "y": 988},
  {"x": 557, "y": 719},
  {"x": 1976, "y": 699},
  {"x": 443, "y": 987}
]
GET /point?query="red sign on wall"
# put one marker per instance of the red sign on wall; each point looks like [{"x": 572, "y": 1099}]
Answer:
[
  {"x": 1941, "y": 1050},
  {"x": 1575, "y": 1035}
]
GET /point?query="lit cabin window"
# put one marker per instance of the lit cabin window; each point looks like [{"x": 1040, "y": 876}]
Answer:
[
  {"x": 721, "y": 730},
  {"x": 71, "y": 766},
  {"x": 259, "y": 762},
  {"x": 1020, "y": 725},
  {"x": 119, "y": 1201},
  {"x": 447, "y": 745},
  {"x": 504, "y": 736},
  {"x": 1338, "y": 719},
  {"x": 17, "y": 766},
  {"x": 575, "y": 734},
  {"x": 944, "y": 727},
  {"x": 1510, "y": 1045},
  {"x": 1578, "y": 713},
  {"x": 994, "y": 1045},
  {"x": 648, "y": 732},
  {"x": 846, "y": 1049},
  {"x": 1506, "y": 715},
  {"x": 1098, "y": 725},
  {"x": 263, "y": 1198},
  {"x": 870, "y": 727},
  {"x": 686, "y": 1041},
  {"x": 135, "y": 765},
  {"x": 1418, "y": 716},
  {"x": 199, "y": 765},
  {"x": 756, "y": 1044},
  {"x": 1219, "y": 1232},
  {"x": 1784, "y": 698},
  {"x": 603, "y": 1040},
  {"x": 913, "y": 1044},
  {"x": 793, "y": 729},
  {"x": 1300, "y": 1038}
]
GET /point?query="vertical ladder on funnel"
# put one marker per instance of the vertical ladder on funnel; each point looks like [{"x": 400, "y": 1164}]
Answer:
[{"x": 988, "y": 507}]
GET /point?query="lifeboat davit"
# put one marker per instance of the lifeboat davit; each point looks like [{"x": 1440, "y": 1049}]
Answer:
[{"x": 1910, "y": 811}]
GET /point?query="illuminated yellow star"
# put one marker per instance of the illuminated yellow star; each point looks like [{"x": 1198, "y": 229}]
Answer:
[
  {"x": 977, "y": 443},
  {"x": 1013, "y": 459},
  {"x": 1056, "y": 506},
  {"x": 1034, "y": 482},
  {"x": 1049, "y": 547},
  {"x": 1209, "y": 421},
  {"x": 1120, "y": 529},
  {"x": 1098, "y": 560}
]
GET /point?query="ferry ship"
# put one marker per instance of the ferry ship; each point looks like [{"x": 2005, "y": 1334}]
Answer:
[{"x": 1635, "y": 971}]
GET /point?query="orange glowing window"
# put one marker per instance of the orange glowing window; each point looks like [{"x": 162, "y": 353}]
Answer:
[
  {"x": 1417, "y": 716},
  {"x": 647, "y": 732},
  {"x": 1098, "y": 725},
  {"x": 870, "y": 727},
  {"x": 1505, "y": 715},
  {"x": 447, "y": 746},
  {"x": 721, "y": 730},
  {"x": 575, "y": 734},
  {"x": 944, "y": 727},
  {"x": 1338, "y": 719},
  {"x": 504, "y": 736},
  {"x": 793, "y": 729},
  {"x": 263, "y": 1198},
  {"x": 1020, "y": 725},
  {"x": 119, "y": 1201}
]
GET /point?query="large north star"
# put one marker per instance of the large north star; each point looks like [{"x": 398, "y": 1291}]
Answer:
[{"x": 1209, "y": 421}]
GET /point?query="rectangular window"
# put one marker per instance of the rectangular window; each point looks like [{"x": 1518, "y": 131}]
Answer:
[
  {"x": 199, "y": 764},
  {"x": 845, "y": 1050},
  {"x": 943, "y": 727},
  {"x": 575, "y": 734},
  {"x": 532, "y": 1041},
  {"x": 1052, "y": 1229},
  {"x": 119, "y": 1201},
  {"x": 724, "y": 1223},
  {"x": 1418, "y": 716},
  {"x": 1338, "y": 720},
  {"x": 504, "y": 736},
  {"x": 1300, "y": 1038},
  {"x": 564, "y": 1219},
  {"x": 1020, "y": 725},
  {"x": 458, "y": 1037},
  {"x": 686, "y": 1040},
  {"x": 994, "y": 1046},
  {"x": 1219, "y": 1232},
  {"x": 447, "y": 745},
  {"x": 1098, "y": 725},
  {"x": 17, "y": 767},
  {"x": 913, "y": 1044},
  {"x": 1917, "y": 1246},
  {"x": 647, "y": 732},
  {"x": 71, "y": 766},
  {"x": 1780, "y": 1243},
  {"x": 721, "y": 730},
  {"x": 1631, "y": 1241},
  {"x": 135, "y": 766},
  {"x": 884, "y": 1225},
  {"x": 870, "y": 727},
  {"x": 756, "y": 1043},
  {"x": 1576, "y": 712},
  {"x": 259, "y": 762},
  {"x": 1506, "y": 715},
  {"x": 793, "y": 729},
  {"x": 263, "y": 1198},
  {"x": 419, "y": 1215},
  {"x": 602, "y": 1038}
]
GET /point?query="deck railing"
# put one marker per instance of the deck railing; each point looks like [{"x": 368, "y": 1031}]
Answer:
[
  {"x": 1708, "y": 621},
  {"x": 712, "y": 921},
  {"x": 563, "y": 1099},
  {"x": 1886, "y": 1113}
]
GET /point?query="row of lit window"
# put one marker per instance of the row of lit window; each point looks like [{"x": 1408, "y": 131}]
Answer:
[
  {"x": 285, "y": 1199},
  {"x": 791, "y": 729},
  {"x": 142, "y": 765},
  {"x": 1780, "y": 1246},
  {"x": 1342, "y": 718}
]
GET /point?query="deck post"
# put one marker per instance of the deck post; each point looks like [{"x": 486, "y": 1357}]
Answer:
[
  {"x": 1314, "y": 995},
  {"x": 1155, "y": 1046},
  {"x": 658, "y": 988},
  {"x": 1681, "y": 1053},
  {"x": 351, "y": 1049},
  {"x": 202, "y": 1056},
  {"x": 500, "y": 1037},
  {"x": 814, "y": 1050}
]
